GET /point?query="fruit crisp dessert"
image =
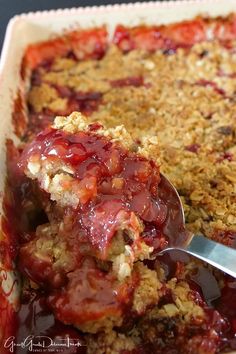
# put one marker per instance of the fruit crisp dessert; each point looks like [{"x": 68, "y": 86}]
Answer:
[
  {"x": 85, "y": 214},
  {"x": 101, "y": 199}
]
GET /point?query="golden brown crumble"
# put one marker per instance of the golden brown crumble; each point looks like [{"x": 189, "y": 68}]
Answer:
[
  {"x": 147, "y": 293},
  {"x": 114, "y": 343},
  {"x": 177, "y": 107},
  {"x": 185, "y": 108}
]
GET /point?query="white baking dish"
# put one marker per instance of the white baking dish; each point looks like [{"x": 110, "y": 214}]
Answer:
[{"x": 30, "y": 28}]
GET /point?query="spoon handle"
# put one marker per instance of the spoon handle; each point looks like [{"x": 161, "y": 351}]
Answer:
[{"x": 216, "y": 254}]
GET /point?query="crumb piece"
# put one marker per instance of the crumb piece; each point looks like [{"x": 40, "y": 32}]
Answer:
[
  {"x": 45, "y": 96},
  {"x": 111, "y": 343},
  {"x": 72, "y": 124},
  {"x": 147, "y": 292}
]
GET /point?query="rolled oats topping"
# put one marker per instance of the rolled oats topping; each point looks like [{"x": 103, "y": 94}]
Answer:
[{"x": 167, "y": 95}]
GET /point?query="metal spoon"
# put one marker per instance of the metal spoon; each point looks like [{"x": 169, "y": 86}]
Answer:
[{"x": 211, "y": 252}]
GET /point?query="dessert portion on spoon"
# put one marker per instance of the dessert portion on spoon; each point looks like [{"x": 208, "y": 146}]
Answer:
[{"x": 106, "y": 217}]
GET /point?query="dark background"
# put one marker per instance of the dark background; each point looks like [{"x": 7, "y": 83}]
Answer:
[{"x": 9, "y": 8}]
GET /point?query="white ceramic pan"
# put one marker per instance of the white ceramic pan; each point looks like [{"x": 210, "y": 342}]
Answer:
[{"x": 33, "y": 27}]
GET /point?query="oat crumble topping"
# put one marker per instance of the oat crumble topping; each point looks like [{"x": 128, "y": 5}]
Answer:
[{"x": 178, "y": 108}]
